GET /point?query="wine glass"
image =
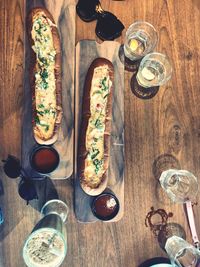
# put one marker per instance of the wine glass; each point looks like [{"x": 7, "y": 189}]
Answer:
[
  {"x": 180, "y": 185},
  {"x": 47, "y": 243},
  {"x": 181, "y": 253}
]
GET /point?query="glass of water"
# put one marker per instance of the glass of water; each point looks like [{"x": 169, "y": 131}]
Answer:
[
  {"x": 140, "y": 39},
  {"x": 181, "y": 253},
  {"x": 46, "y": 246},
  {"x": 180, "y": 185},
  {"x": 155, "y": 69}
]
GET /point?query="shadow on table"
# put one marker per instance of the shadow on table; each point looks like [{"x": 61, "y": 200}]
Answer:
[
  {"x": 141, "y": 92},
  {"x": 131, "y": 66},
  {"x": 45, "y": 191},
  {"x": 164, "y": 162},
  {"x": 9, "y": 194}
]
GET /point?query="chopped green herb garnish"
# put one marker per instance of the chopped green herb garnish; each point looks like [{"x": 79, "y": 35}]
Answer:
[
  {"x": 47, "y": 128},
  {"x": 40, "y": 106},
  {"x": 44, "y": 85},
  {"x": 45, "y": 125},
  {"x": 43, "y": 60},
  {"x": 105, "y": 96},
  {"x": 97, "y": 164},
  {"x": 44, "y": 74},
  {"x": 37, "y": 120},
  {"x": 46, "y": 111},
  {"x": 40, "y": 112},
  {"x": 38, "y": 31},
  {"x": 98, "y": 92},
  {"x": 98, "y": 123},
  {"x": 54, "y": 113},
  {"x": 95, "y": 154},
  {"x": 103, "y": 84}
]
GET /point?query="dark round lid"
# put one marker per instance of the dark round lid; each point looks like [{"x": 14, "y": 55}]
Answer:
[
  {"x": 105, "y": 206},
  {"x": 44, "y": 159}
]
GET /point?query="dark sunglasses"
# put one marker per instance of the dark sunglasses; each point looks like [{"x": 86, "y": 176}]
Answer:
[
  {"x": 26, "y": 187},
  {"x": 108, "y": 26}
]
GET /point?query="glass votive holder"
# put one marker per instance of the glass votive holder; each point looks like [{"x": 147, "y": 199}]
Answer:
[
  {"x": 155, "y": 69},
  {"x": 140, "y": 39}
]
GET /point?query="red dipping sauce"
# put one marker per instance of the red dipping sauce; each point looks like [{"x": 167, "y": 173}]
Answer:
[
  {"x": 44, "y": 159},
  {"x": 105, "y": 206}
]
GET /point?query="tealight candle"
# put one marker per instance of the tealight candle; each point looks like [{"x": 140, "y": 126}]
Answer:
[{"x": 147, "y": 74}]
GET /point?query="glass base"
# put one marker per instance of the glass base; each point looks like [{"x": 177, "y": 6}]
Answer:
[
  {"x": 142, "y": 92},
  {"x": 130, "y": 65},
  {"x": 56, "y": 206}
]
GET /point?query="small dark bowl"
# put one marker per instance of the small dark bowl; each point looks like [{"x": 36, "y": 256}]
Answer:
[
  {"x": 51, "y": 163},
  {"x": 110, "y": 216}
]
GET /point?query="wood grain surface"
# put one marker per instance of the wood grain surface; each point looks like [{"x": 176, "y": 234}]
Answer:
[
  {"x": 86, "y": 52},
  {"x": 162, "y": 130}
]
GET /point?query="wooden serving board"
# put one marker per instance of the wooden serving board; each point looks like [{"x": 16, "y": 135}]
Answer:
[
  {"x": 64, "y": 15},
  {"x": 86, "y": 52}
]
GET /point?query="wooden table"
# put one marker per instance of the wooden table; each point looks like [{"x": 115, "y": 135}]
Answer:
[{"x": 169, "y": 124}]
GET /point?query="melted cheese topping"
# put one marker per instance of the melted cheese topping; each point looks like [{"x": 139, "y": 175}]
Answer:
[
  {"x": 45, "y": 85},
  {"x": 100, "y": 89}
]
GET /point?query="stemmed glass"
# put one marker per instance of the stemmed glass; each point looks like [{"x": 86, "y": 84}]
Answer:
[{"x": 47, "y": 243}]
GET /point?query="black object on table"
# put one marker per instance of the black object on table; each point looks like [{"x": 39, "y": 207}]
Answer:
[
  {"x": 153, "y": 261},
  {"x": 108, "y": 25}
]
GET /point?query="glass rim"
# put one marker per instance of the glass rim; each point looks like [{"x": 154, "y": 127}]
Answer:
[
  {"x": 25, "y": 257},
  {"x": 157, "y": 54},
  {"x": 163, "y": 56},
  {"x": 142, "y": 22},
  {"x": 58, "y": 201}
]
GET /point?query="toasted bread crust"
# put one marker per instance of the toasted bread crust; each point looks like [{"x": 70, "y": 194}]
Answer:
[
  {"x": 82, "y": 152},
  {"x": 57, "y": 71}
]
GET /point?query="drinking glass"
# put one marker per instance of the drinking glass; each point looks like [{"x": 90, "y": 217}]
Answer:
[
  {"x": 180, "y": 185},
  {"x": 154, "y": 70},
  {"x": 46, "y": 246},
  {"x": 181, "y": 253},
  {"x": 140, "y": 39}
]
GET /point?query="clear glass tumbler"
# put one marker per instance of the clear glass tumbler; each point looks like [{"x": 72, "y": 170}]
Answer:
[
  {"x": 181, "y": 253},
  {"x": 155, "y": 69},
  {"x": 180, "y": 185},
  {"x": 140, "y": 39},
  {"x": 46, "y": 246}
]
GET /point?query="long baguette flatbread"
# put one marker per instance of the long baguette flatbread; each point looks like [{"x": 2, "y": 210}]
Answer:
[
  {"x": 45, "y": 75},
  {"x": 94, "y": 141}
]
